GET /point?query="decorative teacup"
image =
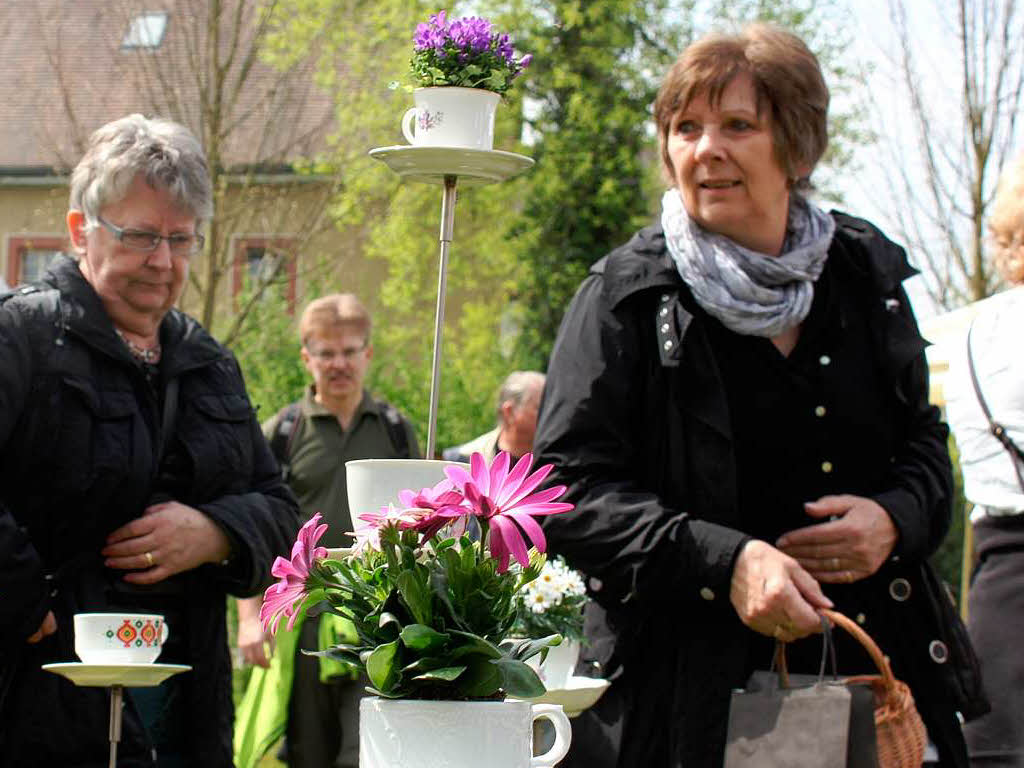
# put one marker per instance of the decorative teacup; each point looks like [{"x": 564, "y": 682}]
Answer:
[
  {"x": 119, "y": 638},
  {"x": 451, "y": 117}
]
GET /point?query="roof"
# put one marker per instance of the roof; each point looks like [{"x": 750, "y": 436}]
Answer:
[{"x": 66, "y": 74}]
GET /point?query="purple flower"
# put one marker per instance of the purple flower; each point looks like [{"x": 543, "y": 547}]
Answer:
[
  {"x": 506, "y": 503},
  {"x": 286, "y": 596}
]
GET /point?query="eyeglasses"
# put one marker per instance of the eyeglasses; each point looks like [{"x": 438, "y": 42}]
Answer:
[
  {"x": 140, "y": 240},
  {"x": 328, "y": 355}
]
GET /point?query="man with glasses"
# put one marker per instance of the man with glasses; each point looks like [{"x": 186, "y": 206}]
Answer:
[{"x": 337, "y": 420}]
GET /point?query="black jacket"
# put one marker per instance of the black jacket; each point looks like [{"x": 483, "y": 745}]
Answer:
[
  {"x": 635, "y": 419},
  {"x": 80, "y": 430}
]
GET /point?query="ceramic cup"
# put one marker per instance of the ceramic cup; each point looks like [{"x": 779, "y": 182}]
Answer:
[
  {"x": 374, "y": 483},
  {"x": 427, "y": 734},
  {"x": 557, "y": 669},
  {"x": 451, "y": 117},
  {"x": 119, "y": 638}
]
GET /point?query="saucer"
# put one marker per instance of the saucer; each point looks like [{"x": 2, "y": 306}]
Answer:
[
  {"x": 579, "y": 694},
  {"x": 128, "y": 675},
  {"x": 473, "y": 167}
]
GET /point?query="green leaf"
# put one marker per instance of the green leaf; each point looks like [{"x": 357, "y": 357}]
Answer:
[
  {"x": 447, "y": 674},
  {"x": 523, "y": 649},
  {"x": 481, "y": 679},
  {"x": 416, "y": 595},
  {"x": 519, "y": 679},
  {"x": 469, "y": 643},
  {"x": 422, "y": 638},
  {"x": 382, "y": 667}
]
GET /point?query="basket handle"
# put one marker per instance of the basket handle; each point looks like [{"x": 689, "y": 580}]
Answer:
[{"x": 869, "y": 645}]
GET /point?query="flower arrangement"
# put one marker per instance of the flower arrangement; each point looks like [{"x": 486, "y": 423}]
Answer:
[
  {"x": 431, "y": 605},
  {"x": 552, "y": 603},
  {"x": 464, "y": 52}
]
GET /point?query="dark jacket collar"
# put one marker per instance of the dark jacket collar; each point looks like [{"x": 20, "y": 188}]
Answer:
[{"x": 186, "y": 345}]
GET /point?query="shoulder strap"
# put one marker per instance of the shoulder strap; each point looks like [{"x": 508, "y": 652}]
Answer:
[
  {"x": 283, "y": 438},
  {"x": 396, "y": 429},
  {"x": 997, "y": 429}
]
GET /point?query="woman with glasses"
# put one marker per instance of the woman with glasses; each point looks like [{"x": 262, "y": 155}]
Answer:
[{"x": 133, "y": 473}]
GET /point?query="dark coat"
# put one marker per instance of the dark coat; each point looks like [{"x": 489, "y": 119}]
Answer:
[
  {"x": 635, "y": 419},
  {"x": 80, "y": 430}
]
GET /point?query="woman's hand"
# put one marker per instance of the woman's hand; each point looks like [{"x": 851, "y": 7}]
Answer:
[
  {"x": 773, "y": 595},
  {"x": 169, "y": 538},
  {"x": 48, "y": 627},
  {"x": 858, "y": 537}
]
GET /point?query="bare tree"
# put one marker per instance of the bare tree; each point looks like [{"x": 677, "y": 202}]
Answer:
[
  {"x": 939, "y": 195},
  {"x": 208, "y": 65}
]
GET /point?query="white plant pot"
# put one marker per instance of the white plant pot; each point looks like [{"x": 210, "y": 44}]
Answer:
[
  {"x": 373, "y": 483},
  {"x": 559, "y": 665},
  {"x": 402, "y": 733},
  {"x": 451, "y": 117}
]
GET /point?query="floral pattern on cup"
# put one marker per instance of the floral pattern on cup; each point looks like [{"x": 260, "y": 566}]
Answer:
[{"x": 426, "y": 120}]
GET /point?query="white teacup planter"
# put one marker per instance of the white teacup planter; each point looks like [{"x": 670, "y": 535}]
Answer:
[
  {"x": 457, "y": 734},
  {"x": 556, "y": 670},
  {"x": 451, "y": 117}
]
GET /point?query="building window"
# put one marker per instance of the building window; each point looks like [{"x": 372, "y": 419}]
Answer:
[
  {"x": 267, "y": 263},
  {"x": 145, "y": 31},
  {"x": 28, "y": 257}
]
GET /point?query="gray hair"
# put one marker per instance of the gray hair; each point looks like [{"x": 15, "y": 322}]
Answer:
[
  {"x": 165, "y": 153},
  {"x": 518, "y": 387}
]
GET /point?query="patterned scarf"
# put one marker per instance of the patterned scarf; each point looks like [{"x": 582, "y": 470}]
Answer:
[{"x": 751, "y": 293}]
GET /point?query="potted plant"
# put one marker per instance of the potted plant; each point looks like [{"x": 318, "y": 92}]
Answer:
[
  {"x": 553, "y": 604},
  {"x": 460, "y": 69},
  {"x": 432, "y": 608}
]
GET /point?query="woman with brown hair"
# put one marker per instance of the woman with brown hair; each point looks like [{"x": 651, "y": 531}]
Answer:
[
  {"x": 993, "y": 471},
  {"x": 738, "y": 403}
]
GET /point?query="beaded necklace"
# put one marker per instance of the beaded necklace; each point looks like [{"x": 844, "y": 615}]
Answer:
[{"x": 150, "y": 355}]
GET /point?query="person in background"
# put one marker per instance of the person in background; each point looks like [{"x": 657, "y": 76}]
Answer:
[
  {"x": 993, "y": 473},
  {"x": 314, "y": 701},
  {"x": 518, "y": 401},
  {"x": 737, "y": 400},
  {"x": 133, "y": 474}
]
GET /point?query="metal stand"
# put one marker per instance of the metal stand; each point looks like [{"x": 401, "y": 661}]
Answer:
[
  {"x": 445, "y": 165},
  {"x": 116, "y": 701},
  {"x": 447, "y": 226}
]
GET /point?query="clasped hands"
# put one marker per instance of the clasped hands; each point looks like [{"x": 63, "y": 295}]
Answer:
[{"x": 775, "y": 589}]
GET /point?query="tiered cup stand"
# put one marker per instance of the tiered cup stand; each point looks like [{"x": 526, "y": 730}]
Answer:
[
  {"x": 115, "y": 677},
  {"x": 447, "y": 166}
]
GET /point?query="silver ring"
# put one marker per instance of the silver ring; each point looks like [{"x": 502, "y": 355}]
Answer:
[{"x": 149, "y": 559}]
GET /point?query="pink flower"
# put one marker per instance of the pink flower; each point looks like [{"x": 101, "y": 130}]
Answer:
[
  {"x": 436, "y": 507},
  {"x": 505, "y": 502},
  {"x": 286, "y": 596}
]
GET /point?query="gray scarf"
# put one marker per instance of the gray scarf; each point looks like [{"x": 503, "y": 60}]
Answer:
[{"x": 751, "y": 293}]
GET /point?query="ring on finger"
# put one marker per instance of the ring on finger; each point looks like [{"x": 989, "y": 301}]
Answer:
[
  {"x": 779, "y": 632},
  {"x": 849, "y": 576},
  {"x": 835, "y": 563},
  {"x": 149, "y": 559}
]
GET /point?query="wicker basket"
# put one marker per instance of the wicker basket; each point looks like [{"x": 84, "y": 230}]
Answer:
[{"x": 900, "y": 733}]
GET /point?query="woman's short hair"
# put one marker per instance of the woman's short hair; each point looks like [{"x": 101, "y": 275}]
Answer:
[
  {"x": 1006, "y": 223},
  {"x": 332, "y": 314},
  {"x": 787, "y": 81},
  {"x": 163, "y": 152}
]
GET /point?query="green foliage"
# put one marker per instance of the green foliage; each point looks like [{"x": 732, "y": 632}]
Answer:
[
  {"x": 429, "y": 619},
  {"x": 948, "y": 559}
]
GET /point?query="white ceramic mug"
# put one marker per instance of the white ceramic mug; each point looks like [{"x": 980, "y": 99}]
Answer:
[
  {"x": 374, "y": 483},
  {"x": 451, "y": 117},
  {"x": 556, "y": 670},
  {"x": 119, "y": 638},
  {"x": 426, "y": 734}
]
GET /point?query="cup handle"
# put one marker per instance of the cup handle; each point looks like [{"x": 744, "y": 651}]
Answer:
[
  {"x": 407, "y": 118},
  {"x": 164, "y": 632},
  {"x": 563, "y": 735}
]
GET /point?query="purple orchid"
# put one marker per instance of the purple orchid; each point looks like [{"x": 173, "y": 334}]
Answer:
[
  {"x": 285, "y": 598},
  {"x": 506, "y": 504}
]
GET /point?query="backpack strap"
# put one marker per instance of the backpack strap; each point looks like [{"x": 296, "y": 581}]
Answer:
[
  {"x": 283, "y": 439},
  {"x": 395, "y": 428},
  {"x": 997, "y": 429}
]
